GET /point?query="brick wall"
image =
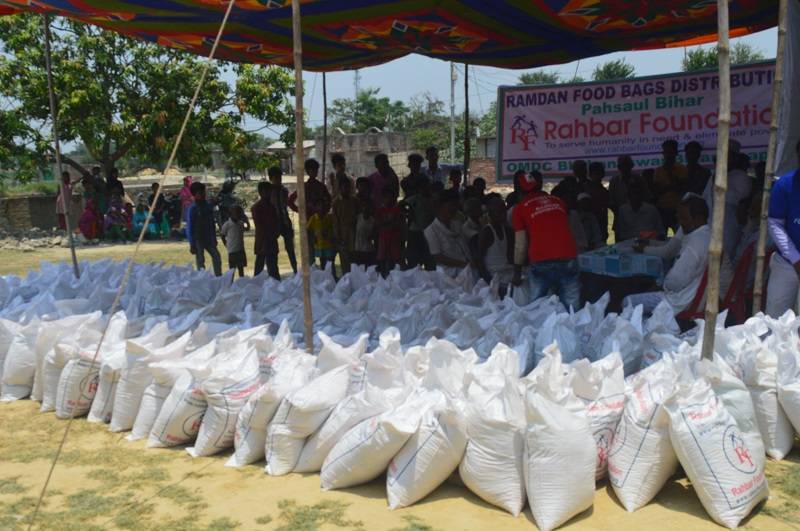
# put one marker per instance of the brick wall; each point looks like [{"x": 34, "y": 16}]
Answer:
[
  {"x": 23, "y": 213},
  {"x": 483, "y": 168}
]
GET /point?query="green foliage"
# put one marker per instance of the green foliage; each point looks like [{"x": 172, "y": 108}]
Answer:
[
  {"x": 613, "y": 70},
  {"x": 121, "y": 97},
  {"x": 705, "y": 58},
  {"x": 539, "y": 78},
  {"x": 366, "y": 111},
  {"x": 488, "y": 122},
  {"x": 414, "y": 524}
]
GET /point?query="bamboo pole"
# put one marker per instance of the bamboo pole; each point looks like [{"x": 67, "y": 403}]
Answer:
[
  {"x": 720, "y": 179},
  {"x": 66, "y": 199},
  {"x": 301, "y": 189},
  {"x": 777, "y": 87},
  {"x": 466, "y": 123},
  {"x": 324, "y": 127}
]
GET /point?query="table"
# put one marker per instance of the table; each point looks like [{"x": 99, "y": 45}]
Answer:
[
  {"x": 620, "y": 271},
  {"x": 621, "y": 261}
]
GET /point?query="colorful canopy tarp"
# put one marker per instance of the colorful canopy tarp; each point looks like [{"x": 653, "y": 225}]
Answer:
[{"x": 347, "y": 34}]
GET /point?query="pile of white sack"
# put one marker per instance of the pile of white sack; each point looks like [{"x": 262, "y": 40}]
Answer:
[{"x": 418, "y": 377}]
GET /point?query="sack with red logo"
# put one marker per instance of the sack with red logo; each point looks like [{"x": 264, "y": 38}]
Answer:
[
  {"x": 601, "y": 388},
  {"x": 727, "y": 476},
  {"x": 641, "y": 459}
]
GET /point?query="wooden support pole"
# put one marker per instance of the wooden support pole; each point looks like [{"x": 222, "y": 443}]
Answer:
[
  {"x": 466, "y": 124},
  {"x": 324, "y": 127},
  {"x": 720, "y": 179},
  {"x": 66, "y": 199},
  {"x": 299, "y": 164},
  {"x": 777, "y": 88}
]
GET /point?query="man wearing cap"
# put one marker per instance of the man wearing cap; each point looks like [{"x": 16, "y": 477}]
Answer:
[
  {"x": 542, "y": 235},
  {"x": 784, "y": 227}
]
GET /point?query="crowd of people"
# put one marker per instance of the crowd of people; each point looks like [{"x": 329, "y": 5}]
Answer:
[
  {"x": 110, "y": 214},
  {"x": 432, "y": 219}
]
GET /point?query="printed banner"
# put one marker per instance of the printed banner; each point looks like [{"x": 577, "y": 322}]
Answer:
[{"x": 546, "y": 128}]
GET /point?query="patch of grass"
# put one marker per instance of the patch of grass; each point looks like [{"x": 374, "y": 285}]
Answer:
[
  {"x": 784, "y": 482},
  {"x": 11, "y": 486},
  {"x": 222, "y": 524},
  {"x": 181, "y": 496},
  {"x": 264, "y": 520},
  {"x": 414, "y": 524},
  {"x": 88, "y": 504},
  {"x": 296, "y": 517}
]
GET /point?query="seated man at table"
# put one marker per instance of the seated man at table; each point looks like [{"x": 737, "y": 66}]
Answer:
[
  {"x": 684, "y": 277},
  {"x": 637, "y": 217}
]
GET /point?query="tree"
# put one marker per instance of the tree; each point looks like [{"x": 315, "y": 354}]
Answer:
[
  {"x": 488, "y": 122},
  {"x": 539, "y": 78},
  {"x": 701, "y": 59},
  {"x": 367, "y": 110},
  {"x": 613, "y": 70},
  {"x": 121, "y": 97}
]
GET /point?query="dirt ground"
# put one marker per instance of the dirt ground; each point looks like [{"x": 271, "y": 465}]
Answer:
[{"x": 105, "y": 482}]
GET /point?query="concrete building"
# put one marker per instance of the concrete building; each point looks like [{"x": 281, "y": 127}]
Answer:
[{"x": 360, "y": 149}]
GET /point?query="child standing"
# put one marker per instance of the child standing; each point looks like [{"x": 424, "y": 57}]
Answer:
[
  {"x": 232, "y": 233},
  {"x": 201, "y": 230},
  {"x": 63, "y": 200},
  {"x": 321, "y": 225},
  {"x": 345, "y": 208},
  {"x": 265, "y": 219},
  {"x": 389, "y": 223}
]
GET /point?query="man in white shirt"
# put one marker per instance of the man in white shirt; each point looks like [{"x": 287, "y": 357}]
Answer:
[
  {"x": 684, "y": 277},
  {"x": 739, "y": 186},
  {"x": 447, "y": 246}
]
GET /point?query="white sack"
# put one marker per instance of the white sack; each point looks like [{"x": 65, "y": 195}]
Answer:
[
  {"x": 348, "y": 413},
  {"x": 493, "y": 460},
  {"x": 601, "y": 388},
  {"x": 135, "y": 377},
  {"x": 760, "y": 376},
  {"x": 52, "y": 367},
  {"x": 231, "y": 383},
  {"x": 77, "y": 386},
  {"x": 727, "y": 476},
  {"x": 641, "y": 459},
  {"x": 429, "y": 456},
  {"x": 103, "y": 403},
  {"x": 19, "y": 366},
  {"x": 735, "y": 397},
  {"x": 789, "y": 386},
  {"x": 180, "y": 416},
  {"x": 300, "y": 414},
  {"x": 559, "y": 462},
  {"x": 365, "y": 451},
  {"x": 290, "y": 373}
]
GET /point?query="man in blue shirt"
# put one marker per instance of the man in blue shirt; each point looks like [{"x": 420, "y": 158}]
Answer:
[{"x": 784, "y": 227}]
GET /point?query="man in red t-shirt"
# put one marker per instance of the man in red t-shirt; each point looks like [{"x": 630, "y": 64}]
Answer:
[{"x": 543, "y": 237}]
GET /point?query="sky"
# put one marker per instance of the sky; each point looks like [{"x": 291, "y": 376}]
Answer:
[{"x": 414, "y": 74}]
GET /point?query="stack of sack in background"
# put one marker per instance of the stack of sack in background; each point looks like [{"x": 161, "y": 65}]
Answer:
[{"x": 528, "y": 403}]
